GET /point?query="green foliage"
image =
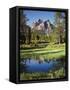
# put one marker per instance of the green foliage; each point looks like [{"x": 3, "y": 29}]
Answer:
[
  {"x": 60, "y": 73},
  {"x": 60, "y": 26}
]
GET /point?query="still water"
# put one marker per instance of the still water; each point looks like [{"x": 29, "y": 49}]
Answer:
[{"x": 41, "y": 65}]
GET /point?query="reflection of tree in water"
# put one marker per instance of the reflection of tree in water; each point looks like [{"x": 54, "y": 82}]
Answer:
[
  {"x": 59, "y": 63},
  {"x": 40, "y": 62},
  {"x": 58, "y": 70},
  {"x": 47, "y": 60},
  {"x": 27, "y": 60},
  {"x": 40, "y": 59},
  {"x": 23, "y": 68},
  {"x": 23, "y": 65}
]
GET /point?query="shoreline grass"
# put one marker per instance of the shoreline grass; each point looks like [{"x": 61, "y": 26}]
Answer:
[
  {"x": 50, "y": 51},
  {"x": 43, "y": 75}
]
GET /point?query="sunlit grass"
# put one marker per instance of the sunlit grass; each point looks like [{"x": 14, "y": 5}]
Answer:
[
  {"x": 48, "y": 47},
  {"x": 50, "y": 51}
]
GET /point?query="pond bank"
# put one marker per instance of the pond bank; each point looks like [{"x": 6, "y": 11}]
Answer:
[{"x": 50, "y": 51}]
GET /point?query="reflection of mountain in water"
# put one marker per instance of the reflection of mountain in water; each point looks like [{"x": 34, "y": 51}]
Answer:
[{"x": 41, "y": 65}]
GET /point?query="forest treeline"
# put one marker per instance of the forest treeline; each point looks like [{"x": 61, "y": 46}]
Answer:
[{"x": 42, "y": 31}]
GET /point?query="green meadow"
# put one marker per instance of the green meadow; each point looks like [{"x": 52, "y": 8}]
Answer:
[{"x": 50, "y": 51}]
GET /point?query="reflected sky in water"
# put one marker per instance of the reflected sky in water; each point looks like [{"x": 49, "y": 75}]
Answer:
[{"x": 40, "y": 65}]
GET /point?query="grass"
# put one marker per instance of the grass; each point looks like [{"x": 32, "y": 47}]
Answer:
[
  {"x": 50, "y": 51},
  {"x": 48, "y": 47},
  {"x": 43, "y": 75}
]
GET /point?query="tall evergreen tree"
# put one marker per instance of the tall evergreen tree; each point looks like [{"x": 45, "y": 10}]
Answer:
[
  {"x": 25, "y": 31},
  {"x": 59, "y": 23}
]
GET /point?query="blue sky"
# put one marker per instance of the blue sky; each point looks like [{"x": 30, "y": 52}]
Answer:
[{"x": 35, "y": 15}]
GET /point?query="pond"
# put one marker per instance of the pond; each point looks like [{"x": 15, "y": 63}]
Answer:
[{"x": 41, "y": 65}]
